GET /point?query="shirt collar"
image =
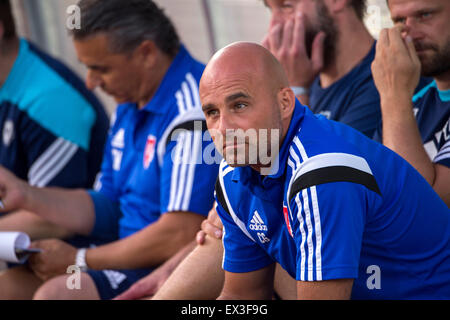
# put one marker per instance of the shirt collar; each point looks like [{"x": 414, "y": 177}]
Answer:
[
  {"x": 444, "y": 95},
  {"x": 167, "y": 87},
  {"x": 244, "y": 174}
]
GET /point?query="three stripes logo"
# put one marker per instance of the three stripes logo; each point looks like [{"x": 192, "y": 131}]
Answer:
[{"x": 257, "y": 224}]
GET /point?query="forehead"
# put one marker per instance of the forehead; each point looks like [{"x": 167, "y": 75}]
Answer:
[
  {"x": 411, "y": 7},
  {"x": 219, "y": 86},
  {"x": 95, "y": 50}
]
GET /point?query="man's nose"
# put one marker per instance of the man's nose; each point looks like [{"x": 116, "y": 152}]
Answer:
[
  {"x": 92, "y": 81},
  {"x": 411, "y": 28}
]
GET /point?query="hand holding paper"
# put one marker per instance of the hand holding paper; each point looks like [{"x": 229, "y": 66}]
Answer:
[{"x": 15, "y": 247}]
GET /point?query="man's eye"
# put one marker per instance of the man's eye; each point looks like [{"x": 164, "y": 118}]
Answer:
[
  {"x": 425, "y": 15},
  {"x": 287, "y": 4},
  {"x": 400, "y": 21},
  {"x": 212, "y": 113},
  {"x": 240, "y": 105}
]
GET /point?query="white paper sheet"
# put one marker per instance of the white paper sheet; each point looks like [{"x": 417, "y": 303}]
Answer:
[{"x": 14, "y": 247}]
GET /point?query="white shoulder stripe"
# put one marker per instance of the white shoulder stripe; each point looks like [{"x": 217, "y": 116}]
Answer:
[
  {"x": 236, "y": 220},
  {"x": 45, "y": 157},
  {"x": 194, "y": 89},
  {"x": 51, "y": 162},
  {"x": 307, "y": 257},
  {"x": 444, "y": 152},
  {"x": 180, "y": 102},
  {"x": 175, "y": 171},
  {"x": 333, "y": 160},
  {"x": 183, "y": 162},
  {"x": 187, "y": 96},
  {"x": 192, "y": 115},
  {"x": 196, "y": 150}
]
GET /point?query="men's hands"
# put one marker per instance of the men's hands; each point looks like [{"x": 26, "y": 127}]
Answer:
[
  {"x": 54, "y": 259},
  {"x": 287, "y": 42},
  {"x": 396, "y": 68},
  {"x": 212, "y": 226},
  {"x": 12, "y": 191}
]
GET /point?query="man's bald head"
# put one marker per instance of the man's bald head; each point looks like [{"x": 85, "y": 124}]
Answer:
[
  {"x": 249, "y": 60},
  {"x": 245, "y": 94}
]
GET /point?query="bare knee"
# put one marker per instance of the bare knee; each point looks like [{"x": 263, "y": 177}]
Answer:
[
  {"x": 53, "y": 289},
  {"x": 18, "y": 283},
  {"x": 68, "y": 287}
]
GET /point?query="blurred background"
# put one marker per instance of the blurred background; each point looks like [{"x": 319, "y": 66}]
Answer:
[{"x": 204, "y": 25}]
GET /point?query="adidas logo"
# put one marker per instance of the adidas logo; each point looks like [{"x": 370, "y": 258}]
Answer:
[
  {"x": 115, "y": 278},
  {"x": 257, "y": 224},
  {"x": 119, "y": 139}
]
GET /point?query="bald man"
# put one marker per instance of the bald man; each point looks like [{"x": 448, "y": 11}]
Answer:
[{"x": 342, "y": 214}]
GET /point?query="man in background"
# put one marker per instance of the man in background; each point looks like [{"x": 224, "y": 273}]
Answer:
[
  {"x": 155, "y": 187},
  {"x": 52, "y": 128},
  {"x": 326, "y": 51},
  {"x": 417, "y": 127}
]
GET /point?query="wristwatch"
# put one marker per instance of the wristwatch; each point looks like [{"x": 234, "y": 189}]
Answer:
[
  {"x": 299, "y": 91},
  {"x": 80, "y": 260}
]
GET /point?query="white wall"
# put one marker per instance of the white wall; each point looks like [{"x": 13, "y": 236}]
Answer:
[{"x": 44, "y": 21}]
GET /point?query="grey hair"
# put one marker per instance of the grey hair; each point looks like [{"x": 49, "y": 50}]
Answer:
[{"x": 127, "y": 23}]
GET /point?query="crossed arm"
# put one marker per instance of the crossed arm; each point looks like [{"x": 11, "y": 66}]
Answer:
[
  {"x": 396, "y": 72},
  {"x": 258, "y": 285}
]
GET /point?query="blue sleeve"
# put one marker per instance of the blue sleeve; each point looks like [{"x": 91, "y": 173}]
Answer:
[
  {"x": 187, "y": 182},
  {"x": 104, "y": 183},
  {"x": 241, "y": 254},
  {"x": 105, "y": 195},
  {"x": 378, "y": 135},
  {"x": 107, "y": 216},
  {"x": 328, "y": 224},
  {"x": 364, "y": 113}
]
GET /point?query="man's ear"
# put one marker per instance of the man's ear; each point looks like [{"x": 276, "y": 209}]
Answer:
[
  {"x": 336, "y": 6},
  {"x": 286, "y": 100},
  {"x": 148, "y": 52}
]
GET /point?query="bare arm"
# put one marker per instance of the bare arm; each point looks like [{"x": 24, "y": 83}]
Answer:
[
  {"x": 149, "y": 247},
  {"x": 255, "y": 285},
  {"x": 70, "y": 209},
  {"x": 401, "y": 134},
  {"x": 340, "y": 289},
  {"x": 202, "y": 266},
  {"x": 150, "y": 285},
  {"x": 396, "y": 72},
  {"x": 36, "y": 227}
]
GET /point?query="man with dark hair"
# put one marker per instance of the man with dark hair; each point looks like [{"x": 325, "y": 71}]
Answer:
[
  {"x": 326, "y": 51},
  {"x": 360, "y": 7},
  {"x": 154, "y": 187},
  {"x": 417, "y": 127},
  {"x": 9, "y": 28},
  {"x": 53, "y": 129}
]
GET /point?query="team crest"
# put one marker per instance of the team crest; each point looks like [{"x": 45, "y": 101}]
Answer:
[
  {"x": 8, "y": 132},
  {"x": 286, "y": 219},
  {"x": 149, "y": 151}
]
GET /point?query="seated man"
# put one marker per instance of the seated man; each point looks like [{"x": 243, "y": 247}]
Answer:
[
  {"x": 417, "y": 127},
  {"x": 327, "y": 207},
  {"x": 326, "y": 51},
  {"x": 154, "y": 189},
  {"x": 53, "y": 129}
]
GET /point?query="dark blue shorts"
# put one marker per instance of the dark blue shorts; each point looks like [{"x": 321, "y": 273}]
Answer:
[{"x": 111, "y": 283}]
